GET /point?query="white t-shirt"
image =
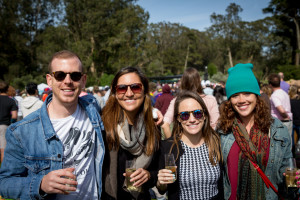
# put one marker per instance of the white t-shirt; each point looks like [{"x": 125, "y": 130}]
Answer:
[
  {"x": 280, "y": 98},
  {"x": 78, "y": 137}
]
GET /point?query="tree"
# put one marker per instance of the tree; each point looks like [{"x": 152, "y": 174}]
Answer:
[
  {"x": 227, "y": 27},
  {"x": 287, "y": 11},
  {"x": 23, "y": 22}
]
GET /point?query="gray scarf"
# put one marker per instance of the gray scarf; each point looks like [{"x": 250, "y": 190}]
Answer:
[{"x": 130, "y": 141}]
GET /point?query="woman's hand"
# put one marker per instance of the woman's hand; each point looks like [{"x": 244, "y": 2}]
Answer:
[
  {"x": 297, "y": 178},
  {"x": 139, "y": 177},
  {"x": 165, "y": 176}
]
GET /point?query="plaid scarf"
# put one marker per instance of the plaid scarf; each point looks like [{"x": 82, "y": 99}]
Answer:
[{"x": 253, "y": 147}]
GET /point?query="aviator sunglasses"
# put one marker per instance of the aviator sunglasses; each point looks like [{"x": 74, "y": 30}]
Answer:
[
  {"x": 60, "y": 75},
  {"x": 185, "y": 115},
  {"x": 135, "y": 88}
]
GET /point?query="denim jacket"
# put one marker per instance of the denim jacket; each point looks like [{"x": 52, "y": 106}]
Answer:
[
  {"x": 33, "y": 150},
  {"x": 280, "y": 150}
]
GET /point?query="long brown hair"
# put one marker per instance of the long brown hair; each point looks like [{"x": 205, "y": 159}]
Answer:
[
  {"x": 211, "y": 138},
  {"x": 262, "y": 116},
  {"x": 113, "y": 114},
  {"x": 191, "y": 81}
]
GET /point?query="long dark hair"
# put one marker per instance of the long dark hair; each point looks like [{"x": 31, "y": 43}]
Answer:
[
  {"x": 211, "y": 138},
  {"x": 113, "y": 114},
  {"x": 191, "y": 81}
]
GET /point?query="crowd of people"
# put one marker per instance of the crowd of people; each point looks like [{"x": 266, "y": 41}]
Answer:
[{"x": 229, "y": 140}]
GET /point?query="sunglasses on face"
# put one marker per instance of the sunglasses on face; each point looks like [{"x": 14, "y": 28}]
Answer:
[
  {"x": 135, "y": 88},
  {"x": 185, "y": 115},
  {"x": 60, "y": 75}
]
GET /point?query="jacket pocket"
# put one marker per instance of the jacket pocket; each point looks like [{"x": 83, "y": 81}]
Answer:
[{"x": 36, "y": 166}]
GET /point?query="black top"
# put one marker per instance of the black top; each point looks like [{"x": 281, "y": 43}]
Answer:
[
  {"x": 295, "y": 108},
  {"x": 6, "y": 106},
  {"x": 124, "y": 155},
  {"x": 174, "y": 188}
]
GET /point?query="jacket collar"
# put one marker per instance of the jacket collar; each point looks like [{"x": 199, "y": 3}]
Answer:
[{"x": 45, "y": 120}]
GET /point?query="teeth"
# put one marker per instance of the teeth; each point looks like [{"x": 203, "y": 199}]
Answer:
[
  {"x": 129, "y": 100},
  {"x": 192, "y": 126},
  {"x": 68, "y": 90}
]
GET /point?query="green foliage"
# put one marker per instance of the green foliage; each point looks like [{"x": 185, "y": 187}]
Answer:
[
  {"x": 212, "y": 69},
  {"x": 106, "y": 79},
  {"x": 290, "y": 71},
  {"x": 219, "y": 76},
  {"x": 20, "y": 83},
  {"x": 109, "y": 35}
]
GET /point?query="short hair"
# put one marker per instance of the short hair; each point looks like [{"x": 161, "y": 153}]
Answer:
[
  {"x": 3, "y": 87},
  {"x": 64, "y": 54},
  {"x": 274, "y": 80},
  {"x": 31, "y": 88},
  {"x": 96, "y": 89}
]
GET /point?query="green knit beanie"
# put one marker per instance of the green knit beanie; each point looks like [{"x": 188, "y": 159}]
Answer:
[{"x": 241, "y": 79}]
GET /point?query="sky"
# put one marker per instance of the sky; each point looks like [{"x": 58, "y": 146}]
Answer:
[{"x": 195, "y": 14}]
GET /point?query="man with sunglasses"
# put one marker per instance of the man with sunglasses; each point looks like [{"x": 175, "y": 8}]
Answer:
[{"x": 57, "y": 151}]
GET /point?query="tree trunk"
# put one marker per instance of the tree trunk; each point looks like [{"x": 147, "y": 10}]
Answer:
[
  {"x": 297, "y": 57},
  {"x": 187, "y": 57},
  {"x": 93, "y": 69},
  {"x": 250, "y": 59},
  {"x": 230, "y": 57}
]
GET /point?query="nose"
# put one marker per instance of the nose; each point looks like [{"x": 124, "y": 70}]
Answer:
[
  {"x": 129, "y": 92},
  {"x": 68, "y": 79},
  {"x": 241, "y": 98},
  {"x": 192, "y": 118}
]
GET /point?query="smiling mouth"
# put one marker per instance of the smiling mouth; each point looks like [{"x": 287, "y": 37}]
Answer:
[
  {"x": 129, "y": 100},
  {"x": 68, "y": 90}
]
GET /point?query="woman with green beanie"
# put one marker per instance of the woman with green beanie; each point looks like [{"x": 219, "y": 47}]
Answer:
[{"x": 254, "y": 145}]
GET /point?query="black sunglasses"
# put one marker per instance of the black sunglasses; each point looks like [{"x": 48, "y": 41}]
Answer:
[
  {"x": 185, "y": 115},
  {"x": 135, "y": 88},
  {"x": 60, "y": 75}
]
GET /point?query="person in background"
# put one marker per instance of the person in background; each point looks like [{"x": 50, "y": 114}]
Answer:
[
  {"x": 131, "y": 134},
  {"x": 295, "y": 108},
  {"x": 196, "y": 148},
  {"x": 283, "y": 85},
  {"x": 106, "y": 93},
  {"x": 45, "y": 94},
  {"x": 31, "y": 103},
  {"x": 208, "y": 90},
  {"x": 251, "y": 140},
  {"x": 280, "y": 103},
  {"x": 19, "y": 102},
  {"x": 98, "y": 96},
  {"x": 264, "y": 96},
  {"x": 8, "y": 115},
  {"x": 219, "y": 93},
  {"x": 152, "y": 89},
  {"x": 162, "y": 102},
  {"x": 63, "y": 137},
  {"x": 191, "y": 81}
]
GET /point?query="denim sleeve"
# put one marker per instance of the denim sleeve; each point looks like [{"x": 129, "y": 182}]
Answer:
[
  {"x": 287, "y": 151},
  {"x": 14, "y": 180}
]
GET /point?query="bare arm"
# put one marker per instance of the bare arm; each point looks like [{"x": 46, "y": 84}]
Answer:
[
  {"x": 14, "y": 114},
  {"x": 282, "y": 113},
  {"x": 167, "y": 130}
]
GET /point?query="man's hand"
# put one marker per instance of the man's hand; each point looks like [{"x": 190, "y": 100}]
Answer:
[{"x": 55, "y": 183}]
